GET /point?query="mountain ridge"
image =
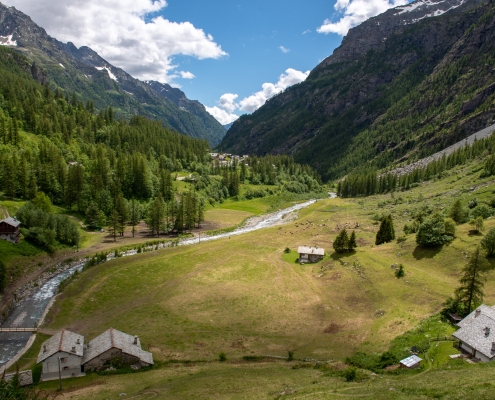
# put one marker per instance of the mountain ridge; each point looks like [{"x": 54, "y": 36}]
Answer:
[
  {"x": 379, "y": 107},
  {"x": 85, "y": 72}
]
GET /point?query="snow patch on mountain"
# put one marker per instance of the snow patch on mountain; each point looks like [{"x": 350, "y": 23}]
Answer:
[
  {"x": 7, "y": 41},
  {"x": 427, "y": 3},
  {"x": 109, "y": 72}
]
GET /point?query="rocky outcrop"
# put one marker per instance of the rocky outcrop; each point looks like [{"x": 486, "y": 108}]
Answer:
[{"x": 402, "y": 85}]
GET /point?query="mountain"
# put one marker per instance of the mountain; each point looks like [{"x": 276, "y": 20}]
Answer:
[
  {"x": 227, "y": 126},
  {"x": 83, "y": 71},
  {"x": 401, "y": 86}
]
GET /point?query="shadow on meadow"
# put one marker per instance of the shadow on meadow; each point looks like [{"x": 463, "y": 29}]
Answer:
[{"x": 426, "y": 252}]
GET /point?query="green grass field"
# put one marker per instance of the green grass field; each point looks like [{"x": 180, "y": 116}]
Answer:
[{"x": 243, "y": 296}]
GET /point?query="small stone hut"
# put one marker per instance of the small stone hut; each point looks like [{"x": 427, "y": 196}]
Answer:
[
  {"x": 115, "y": 345},
  {"x": 66, "y": 346},
  {"x": 10, "y": 230},
  {"x": 310, "y": 254}
]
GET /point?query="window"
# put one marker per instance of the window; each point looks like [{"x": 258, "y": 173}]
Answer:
[
  {"x": 66, "y": 368},
  {"x": 63, "y": 360}
]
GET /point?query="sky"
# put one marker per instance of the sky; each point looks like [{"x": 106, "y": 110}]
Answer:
[{"x": 231, "y": 55}]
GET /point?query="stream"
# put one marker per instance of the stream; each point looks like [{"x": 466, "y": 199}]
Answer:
[{"x": 28, "y": 313}]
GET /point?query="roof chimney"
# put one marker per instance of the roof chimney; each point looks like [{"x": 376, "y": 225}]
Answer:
[
  {"x": 493, "y": 346},
  {"x": 44, "y": 348},
  {"x": 135, "y": 340},
  {"x": 477, "y": 313},
  {"x": 73, "y": 349},
  {"x": 78, "y": 341}
]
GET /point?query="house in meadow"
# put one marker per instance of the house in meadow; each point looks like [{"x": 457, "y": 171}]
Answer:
[
  {"x": 62, "y": 352},
  {"x": 477, "y": 334},
  {"x": 10, "y": 230},
  {"x": 113, "y": 345},
  {"x": 310, "y": 254}
]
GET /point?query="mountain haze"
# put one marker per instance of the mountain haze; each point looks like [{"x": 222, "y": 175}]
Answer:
[
  {"x": 402, "y": 85},
  {"x": 83, "y": 71}
]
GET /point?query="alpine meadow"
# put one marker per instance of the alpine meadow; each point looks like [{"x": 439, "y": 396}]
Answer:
[{"x": 335, "y": 240}]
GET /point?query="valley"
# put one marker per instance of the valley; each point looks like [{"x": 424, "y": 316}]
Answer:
[{"x": 338, "y": 240}]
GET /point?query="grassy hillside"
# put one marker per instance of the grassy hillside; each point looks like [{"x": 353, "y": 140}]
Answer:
[{"x": 242, "y": 296}]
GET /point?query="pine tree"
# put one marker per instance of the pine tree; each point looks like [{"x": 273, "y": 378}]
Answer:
[
  {"x": 352, "y": 242},
  {"x": 135, "y": 214},
  {"x": 458, "y": 213},
  {"x": 470, "y": 292},
  {"x": 386, "y": 232},
  {"x": 114, "y": 224},
  {"x": 341, "y": 242}
]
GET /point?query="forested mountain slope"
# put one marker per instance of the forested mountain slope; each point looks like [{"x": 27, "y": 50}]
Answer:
[
  {"x": 403, "y": 85},
  {"x": 83, "y": 71}
]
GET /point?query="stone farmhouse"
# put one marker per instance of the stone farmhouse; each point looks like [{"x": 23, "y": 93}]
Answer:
[
  {"x": 114, "y": 344},
  {"x": 66, "y": 347},
  {"x": 477, "y": 334},
  {"x": 310, "y": 254},
  {"x": 76, "y": 358},
  {"x": 10, "y": 230}
]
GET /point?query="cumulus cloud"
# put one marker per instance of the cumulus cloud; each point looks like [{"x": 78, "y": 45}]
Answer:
[
  {"x": 222, "y": 116},
  {"x": 356, "y": 11},
  {"x": 124, "y": 32},
  {"x": 227, "y": 101},
  {"x": 227, "y": 104},
  {"x": 187, "y": 75},
  {"x": 256, "y": 100},
  {"x": 284, "y": 49}
]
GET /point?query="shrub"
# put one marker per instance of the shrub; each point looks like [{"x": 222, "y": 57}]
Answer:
[
  {"x": 432, "y": 232},
  {"x": 350, "y": 374},
  {"x": 290, "y": 355},
  {"x": 287, "y": 250},
  {"x": 222, "y": 357},
  {"x": 458, "y": 213},
  {"x": 488, "y": 242},
  {"x": 481, "y": 210},
  {"x": 399, "y": 272},
  {"x": 473, "y": 203}
]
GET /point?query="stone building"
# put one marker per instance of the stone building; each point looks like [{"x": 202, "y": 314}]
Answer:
[
  {"x": 114, "y": 346},
  {"x": 66, "y": 347},
  {"x": 310, "y": 254},
  {"x": 10, "y": 230}
]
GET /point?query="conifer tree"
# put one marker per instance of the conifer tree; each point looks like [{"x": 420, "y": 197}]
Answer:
[
  {"x": 386, "y": 232},
  {"x": 114, "y": 224},
  {"x": 352, "y": 242},
  {"x": 458, "y": 213},
  {"x": 341, "y": 242},
  {"x": 470, "y": 292}
]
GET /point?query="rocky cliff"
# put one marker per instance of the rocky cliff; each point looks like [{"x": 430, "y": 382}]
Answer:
[{"x": 401, "y": 86}]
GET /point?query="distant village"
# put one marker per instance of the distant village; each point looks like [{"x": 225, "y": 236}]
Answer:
[{"x": 227, "y": 158}]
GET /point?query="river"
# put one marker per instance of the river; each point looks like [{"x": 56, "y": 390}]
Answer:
[{"x": 30, "y": 310}]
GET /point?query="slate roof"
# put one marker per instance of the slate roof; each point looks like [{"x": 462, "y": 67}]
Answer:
[
  {"x": 410, "y": 361},
  {"x": 11, "y": 221},
  {"x": 477, "y": 330},
  {"x": 25, "y": 377},
  {"x": 113, "y": 338},
  {"x": 311, "y": 250},
  {"x": 66, "y": 341}
]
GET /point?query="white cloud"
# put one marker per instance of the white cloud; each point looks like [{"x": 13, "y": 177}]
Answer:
[
  {"x": 306, "y": 31},
  {"x": 284, "y": 50},
  {"x": 256, "y": 100},
  {"x": 355, "y": 12},
  {"x": 187, "y": 75},
  {"x": 122, "y": 32},
  {"x": 227, "y": 102},
  {"x": 222, "y": 116}
]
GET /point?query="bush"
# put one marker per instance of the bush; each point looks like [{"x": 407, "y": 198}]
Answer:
[
  {"x": 290, "y": 355},
  {"x": 222, "y": 357},
  {"x": 458, "y": 213},
  {"x": 473, "y": 203},
  {"x": 399, "y": 272},
  {"x": 287, "y": 250},
  {"x": 432, "y": 232},
  {"x": 481, "y": 210},
  {"x": 350, "y": 374},
  {"x": 488, "y": 243}
]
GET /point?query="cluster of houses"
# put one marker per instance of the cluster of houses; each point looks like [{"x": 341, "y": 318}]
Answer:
[
  {"x": 227, "y": 158},
  {"x": 65, "y": 355},
  {"x": 10, "y": 230}
]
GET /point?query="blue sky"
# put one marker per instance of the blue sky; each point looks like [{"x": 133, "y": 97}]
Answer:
[{"x": 231, "y": 55}]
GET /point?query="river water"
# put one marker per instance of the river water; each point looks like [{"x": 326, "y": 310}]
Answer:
[{"x": 28, "y": 313}]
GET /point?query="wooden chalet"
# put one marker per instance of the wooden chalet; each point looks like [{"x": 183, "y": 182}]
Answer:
[{"x": 10, "y": 230}]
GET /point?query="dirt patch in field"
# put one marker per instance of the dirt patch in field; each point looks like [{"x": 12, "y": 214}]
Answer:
[{"x": 333, "y": 328}]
